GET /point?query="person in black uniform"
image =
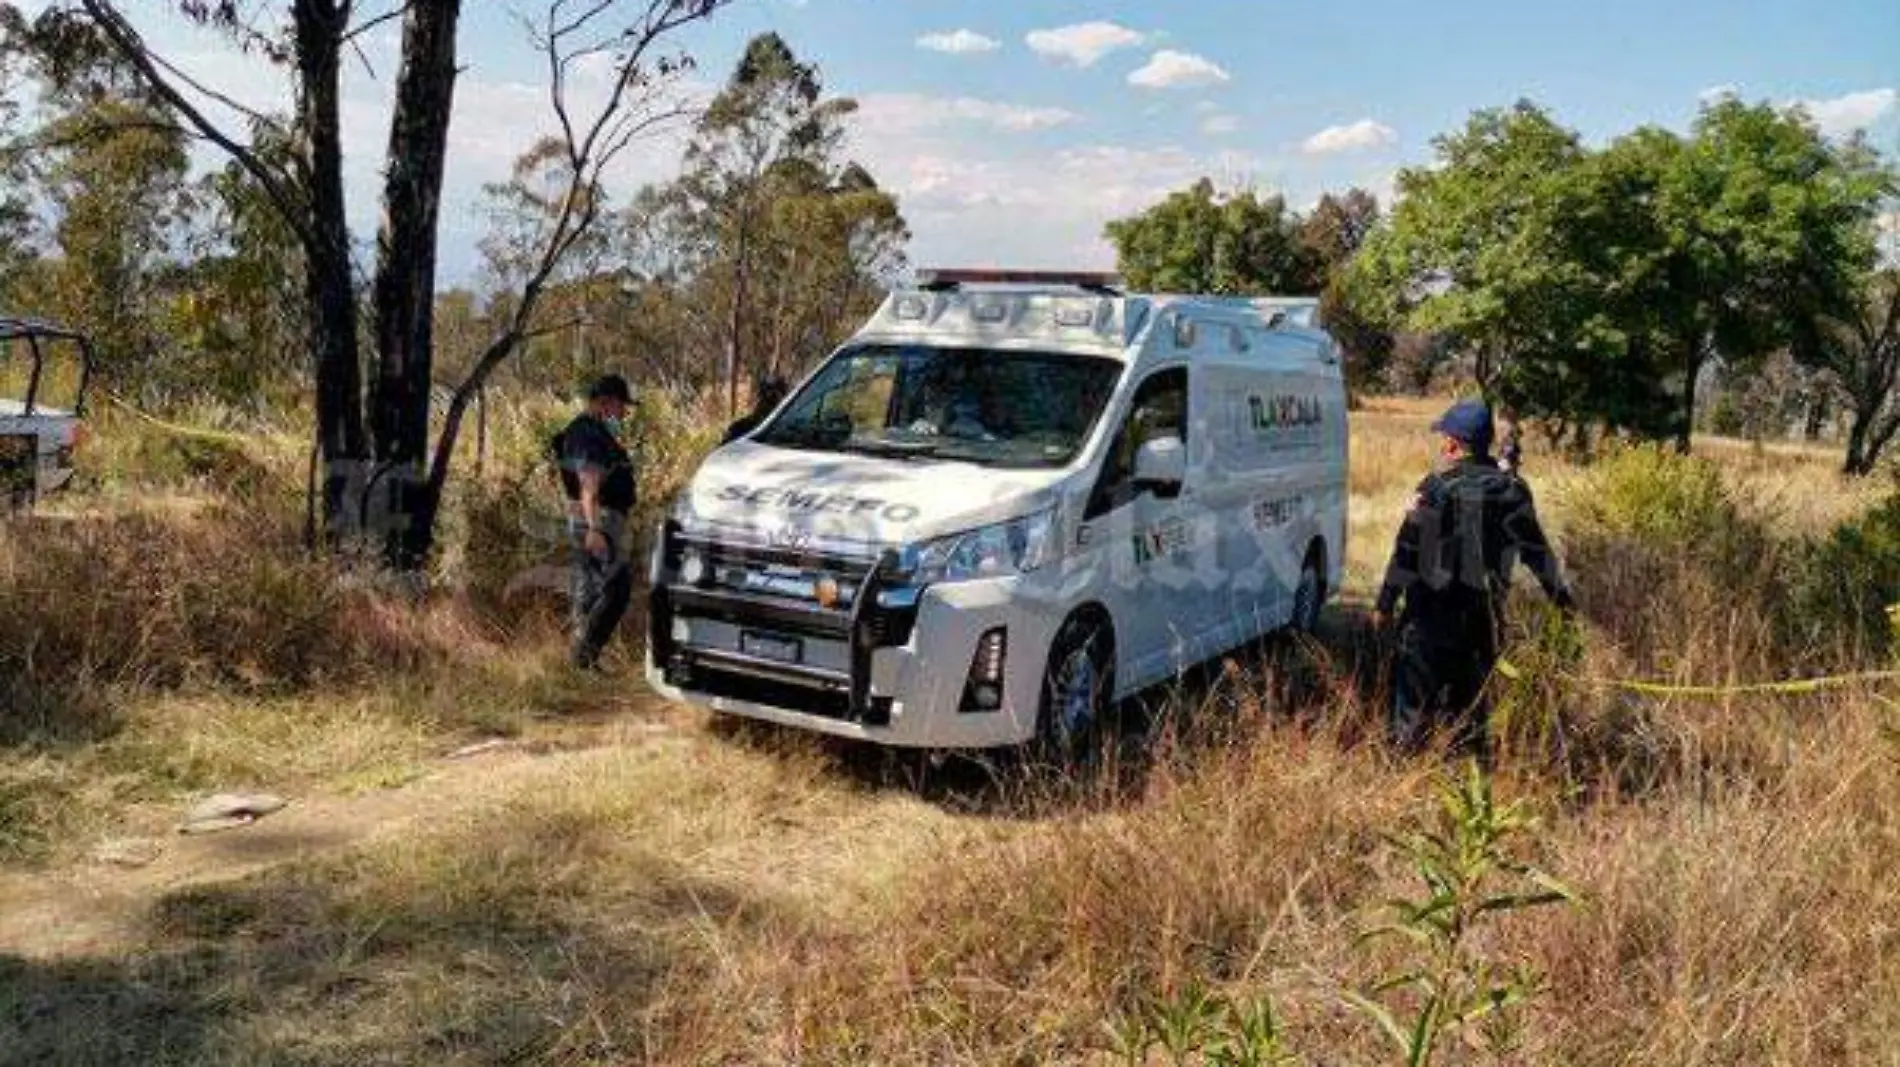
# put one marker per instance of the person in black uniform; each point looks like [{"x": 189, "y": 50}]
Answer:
[
  {"x": 1469, "y": 525},
  {"x": 766, "y": 397},
  {"x": 597, "y": 476}
]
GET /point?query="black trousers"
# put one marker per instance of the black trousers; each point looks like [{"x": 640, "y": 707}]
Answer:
[
  {"x": 600, "y": 588},
  {"x": 1438, "y": 681}
]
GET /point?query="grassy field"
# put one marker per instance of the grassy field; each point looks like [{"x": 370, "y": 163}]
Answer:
[{"x": 621, "y": 881}]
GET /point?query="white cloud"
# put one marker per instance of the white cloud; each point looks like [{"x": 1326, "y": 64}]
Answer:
[
  {"x": 1842, "y": 115},
  {"x": 1206, "y": 107},
  {"x": 958, "y": 43},
  {"x": 1169, "y": 69},
  {"x": 1352, "y": 137},
  {"x": 977, "y": 198},
  {"x": 1220, "y": 125},
  {"x": 889, "y": 114},
  {"x": 1717, "y": 93},
  {"x": 1082, "y": 44}
]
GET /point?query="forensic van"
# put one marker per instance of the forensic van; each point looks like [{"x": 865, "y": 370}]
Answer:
[{"x": 1011, "y": 499}]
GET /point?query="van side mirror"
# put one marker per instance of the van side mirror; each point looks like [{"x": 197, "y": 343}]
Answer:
[{"x": 1161, "y": 464}]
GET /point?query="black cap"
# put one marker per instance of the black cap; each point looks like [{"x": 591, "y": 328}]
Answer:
[
  {"x": 611, "y": 387},
  {"x": 1468, "y": 422}
]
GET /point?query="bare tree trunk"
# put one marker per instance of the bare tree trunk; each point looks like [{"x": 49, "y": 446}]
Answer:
[
  {"x": 481, "y": 433},
  {"x": 1856, "y": 463},
  {"x": 1692, "y": 369},
  {"x": 776, "y": 359},
  {"x": 736, "y": 325},
  {"x": 405, "y": 278},
  {"x": 328, "y": 291}
]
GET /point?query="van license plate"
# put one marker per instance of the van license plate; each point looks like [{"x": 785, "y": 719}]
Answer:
[{"x": 776, "y": 649}]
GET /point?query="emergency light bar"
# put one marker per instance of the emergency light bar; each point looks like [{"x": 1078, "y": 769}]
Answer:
[{"x": 1103, "y": 282}]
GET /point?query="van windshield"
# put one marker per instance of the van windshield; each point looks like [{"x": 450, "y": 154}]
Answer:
[{"x": 978, "y": 405}]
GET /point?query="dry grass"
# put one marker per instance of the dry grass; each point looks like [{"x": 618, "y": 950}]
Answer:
[{"x": 709, "y": 898}]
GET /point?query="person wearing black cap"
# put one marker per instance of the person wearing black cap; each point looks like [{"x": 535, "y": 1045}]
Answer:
[
  {"x": 1468, "y": 526},
  {"x": 767, "y": 394},
  {"x": 597, "y": 476}
]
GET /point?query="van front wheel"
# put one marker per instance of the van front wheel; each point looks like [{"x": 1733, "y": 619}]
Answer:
[{"x": 1076, "y": 688}]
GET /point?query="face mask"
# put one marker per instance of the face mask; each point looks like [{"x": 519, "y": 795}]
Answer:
[{"x": 613, "y": 424}]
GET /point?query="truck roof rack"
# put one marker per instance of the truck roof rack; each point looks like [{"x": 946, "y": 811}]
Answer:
[
  {"x": 13, "y": 326},
  {"x": 1101, "y": 283}
]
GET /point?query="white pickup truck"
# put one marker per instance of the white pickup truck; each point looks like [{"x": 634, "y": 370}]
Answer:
[{"x": 38, "y": 439}]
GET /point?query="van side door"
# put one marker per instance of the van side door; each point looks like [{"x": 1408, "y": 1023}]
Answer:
[
  {"x": 1151, "y": 543},
  {"x": 1283, "y": 458}
]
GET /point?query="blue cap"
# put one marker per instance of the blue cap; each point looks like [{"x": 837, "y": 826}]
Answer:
[{"x": 1467, "y": 421}]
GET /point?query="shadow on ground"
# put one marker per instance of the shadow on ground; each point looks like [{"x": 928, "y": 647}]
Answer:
[
  {"x": 1329, "y": 677},
  {"x": 471, "y": 950}
]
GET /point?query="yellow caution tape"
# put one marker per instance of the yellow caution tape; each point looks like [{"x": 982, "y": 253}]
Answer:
[
  {"x": 184, "y": 431},
  {"x": 1794, "y": 687}
]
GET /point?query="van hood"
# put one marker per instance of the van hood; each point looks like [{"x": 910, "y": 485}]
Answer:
[{"x": 775, "y": 495}]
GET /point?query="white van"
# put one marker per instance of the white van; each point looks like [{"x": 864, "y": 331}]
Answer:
[{"x": 1009, "y": 500}]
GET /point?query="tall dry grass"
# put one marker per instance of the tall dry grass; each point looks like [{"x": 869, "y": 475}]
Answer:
[{"x": 706, "y": 899}]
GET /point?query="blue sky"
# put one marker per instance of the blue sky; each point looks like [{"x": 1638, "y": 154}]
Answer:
[{"x": 1013, "y": 129}]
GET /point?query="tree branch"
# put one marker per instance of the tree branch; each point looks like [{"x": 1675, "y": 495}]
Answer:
[
  {"x": 126, "y": 41},
  {"x": 99, "y": 131},
  {"x": 588, "y": 152},
  {"x": 350, "y": 36},
  {"x": 209, "y": 93}
]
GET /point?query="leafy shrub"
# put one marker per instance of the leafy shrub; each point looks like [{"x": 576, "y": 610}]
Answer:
[
  {"x": 515, "y": 547},
  {"x": 164, "y": 599},
  {"x": 1672, "y": 564},
  {"x": 514, "y": 541},
  {"x": 1845, "y": 584},
  {"x": 1656, "y": 497},
  {"x": 129, "y": 452}
]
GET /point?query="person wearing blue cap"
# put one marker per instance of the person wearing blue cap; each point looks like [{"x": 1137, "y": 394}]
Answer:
[{"x": 1470, "y": 523}]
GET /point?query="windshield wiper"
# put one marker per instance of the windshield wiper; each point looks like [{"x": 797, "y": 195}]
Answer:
[{"x": 893, "y": 449}]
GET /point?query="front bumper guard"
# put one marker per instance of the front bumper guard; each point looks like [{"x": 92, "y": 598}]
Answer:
[{"x": 882, "y": 587}]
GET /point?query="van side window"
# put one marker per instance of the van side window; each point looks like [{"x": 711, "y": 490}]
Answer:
[{"x": 1160, "y": 409}]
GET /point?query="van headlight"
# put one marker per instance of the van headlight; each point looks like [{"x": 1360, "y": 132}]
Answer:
[{"x": 999, "y": 551}]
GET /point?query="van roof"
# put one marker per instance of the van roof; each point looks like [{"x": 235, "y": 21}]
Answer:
[{"x": 1066, "y": 316}]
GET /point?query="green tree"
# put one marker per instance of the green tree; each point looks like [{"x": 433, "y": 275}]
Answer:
[
  {"x": 833, "y": 242},
  {"x": 769, "y": 223},
  {"x": 1332, "y": 233},
  {"x": 16, "y": 208},
  {"x": 1473, "y": 248},
  {"x": 1597, "y": 287},
  {"x": 1197, "y": 241},
  {"x": 1764, "y": 225},
  {"x": 237, "y": 307},
  {"x": 116, "y": 193},
  {"x": 770, "y": 127}
]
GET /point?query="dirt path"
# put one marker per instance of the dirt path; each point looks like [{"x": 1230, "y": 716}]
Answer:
[{"x": 94, "y": 906}]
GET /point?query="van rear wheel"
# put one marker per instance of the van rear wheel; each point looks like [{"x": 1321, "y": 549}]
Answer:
[
  {"x": 1309, "y": 596},
  {"x": 1076, "y": 688}
]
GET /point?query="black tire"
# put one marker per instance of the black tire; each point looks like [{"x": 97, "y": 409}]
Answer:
[
  {"x": 1309, "y": 596},
  {"x": 1077, "y": 690}
]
